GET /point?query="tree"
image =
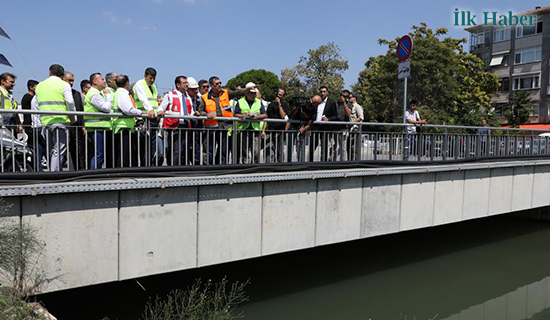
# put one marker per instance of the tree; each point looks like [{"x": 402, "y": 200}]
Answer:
[
  {"x": 20, "y": 249},
  {"x": 519, "y": 108},
  {"x": 322, "y": 66},
  {"x": 450, "y": 84},
  {"x": 268, "y": 80}
]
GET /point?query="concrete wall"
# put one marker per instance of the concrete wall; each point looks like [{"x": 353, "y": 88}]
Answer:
[{"x": 99, "y": 237}]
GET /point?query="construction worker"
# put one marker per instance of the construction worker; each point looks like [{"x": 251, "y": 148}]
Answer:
[
  {"x": 11, "y": 120},
  {"x": 145, "y": 95},
  {"x": 216, "y": 104},
  {"x": 54, "y": 94},
  {"x": 251, "y": 108},
  {"x": 99, "y": 99},
  {"x": 124, "y": 128}
]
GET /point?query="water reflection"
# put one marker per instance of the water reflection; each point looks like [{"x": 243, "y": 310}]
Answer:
[
  {"x": 494, "y": 268},
  {"x": 488, "y": 269},
  {"x": 522, "y": 303}
]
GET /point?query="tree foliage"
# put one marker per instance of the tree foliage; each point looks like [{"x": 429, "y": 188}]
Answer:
[
  {"x": 321, "y": 66},
  {"x": 20, "y": 249},
  {"x": 450, "y": 84},
  {"x": 199, "y": 302},
  {"x": 520, "y": 108},
  {"x": 267, "y": 79}
]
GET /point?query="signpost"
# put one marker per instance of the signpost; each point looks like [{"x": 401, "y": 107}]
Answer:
[{"x": 404, "y": 49}]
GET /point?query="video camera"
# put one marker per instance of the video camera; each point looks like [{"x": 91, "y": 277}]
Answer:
[{"x": 298, "y": 101}]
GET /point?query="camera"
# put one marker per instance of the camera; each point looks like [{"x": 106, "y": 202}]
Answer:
[{"x": 299, "y": 101}]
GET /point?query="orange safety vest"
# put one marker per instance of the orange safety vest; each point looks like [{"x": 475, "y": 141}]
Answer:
[{"x": 210, "y": 107}]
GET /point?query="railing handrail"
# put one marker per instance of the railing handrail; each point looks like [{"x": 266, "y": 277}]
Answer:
[{"x": 268, "y": 120}]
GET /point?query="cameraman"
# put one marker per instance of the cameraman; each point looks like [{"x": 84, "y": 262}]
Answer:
[
  {"x": 306, "y": 113},
  {"x": 277, "y": 109}
]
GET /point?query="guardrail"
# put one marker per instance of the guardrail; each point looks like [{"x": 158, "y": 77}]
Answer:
[{"x": 69, "y": 147}]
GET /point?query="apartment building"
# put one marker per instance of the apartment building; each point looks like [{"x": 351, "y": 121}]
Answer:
[{"x": 520, "y": 57}]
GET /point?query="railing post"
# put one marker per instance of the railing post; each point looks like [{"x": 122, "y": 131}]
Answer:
[
  {"x": 406, "y": 149},
  {"x": 445, "y": 147},
  {"x": 432, "y": 146},
  {"x": 375, "y": 147},
  {"x": 478, "y": 146},
  {"x": 507, "y": 144},
  {"x": 359, "y": 143},
  {"x": 234, "y": 156}
]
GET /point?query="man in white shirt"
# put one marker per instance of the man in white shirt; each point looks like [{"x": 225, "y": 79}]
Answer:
[
  {"x": 357, "y": 115},
  {"x": 99, "y": 128},
  {"x": 124, "y": 128},
  {"x": 413, "y": 118},
  {"x": 145, "y": 97}
]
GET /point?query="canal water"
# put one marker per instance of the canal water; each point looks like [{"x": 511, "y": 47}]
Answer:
[{"x": 492, "y": 268}]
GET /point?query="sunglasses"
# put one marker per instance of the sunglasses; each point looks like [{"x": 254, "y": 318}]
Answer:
[{"x": 206, "y": 87}]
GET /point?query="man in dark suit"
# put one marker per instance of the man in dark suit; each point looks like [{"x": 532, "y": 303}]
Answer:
[
  {"x": 77, "y": 141},
  {"x": 326, "y": 111}
]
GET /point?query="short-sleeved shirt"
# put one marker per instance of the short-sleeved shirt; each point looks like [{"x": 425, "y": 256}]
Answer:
[
  {"x": 238, "y": 108},
  {"x": 273, "y": 113},
  {"x": 357, "y": 112},
  {"x": 414, "y": 116}
]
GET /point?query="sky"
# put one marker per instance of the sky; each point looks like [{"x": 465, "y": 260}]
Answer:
[{"x": 201, "y": 38}]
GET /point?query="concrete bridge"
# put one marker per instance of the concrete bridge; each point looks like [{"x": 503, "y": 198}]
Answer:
[{"x": 111, "y": 230}]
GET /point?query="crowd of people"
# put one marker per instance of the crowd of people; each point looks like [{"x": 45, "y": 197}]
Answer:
[{"x": 105, "y": 141}]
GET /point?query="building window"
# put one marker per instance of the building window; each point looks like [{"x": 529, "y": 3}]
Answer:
[
  {"x": 485, "y": 57},
  {"x": 536, "y": 28},
  {"x": 528, "y": 55},
  {"x": 506, "y": 60},
  {"x": 502, "y": 33},
  {"x": 480, "y": 38},
  {"x": 527, "y": 82},
  {"x": 504, "y": 85},
  {"x": 535, "y": 108}
]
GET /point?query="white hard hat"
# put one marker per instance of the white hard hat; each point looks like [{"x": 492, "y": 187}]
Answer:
[
  {"x": 251, "y": 84},
  {"x": 192, "y": 83}
]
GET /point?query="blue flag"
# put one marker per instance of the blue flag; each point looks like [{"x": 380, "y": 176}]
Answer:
[
  {"x": 3, "y": 33},
  {"x": 4, "y": 61}
]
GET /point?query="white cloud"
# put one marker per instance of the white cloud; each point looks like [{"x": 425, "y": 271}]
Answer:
[
  {"x": 150, "y": 28},
  {"x": 111, "y": 17}
]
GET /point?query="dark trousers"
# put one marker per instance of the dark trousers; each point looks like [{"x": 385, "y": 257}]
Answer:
[
  {"x": 216, "y": 140},
  {"x": 126, "y": 154},
  {"x": 77, "y": 142},
  {"x": 148, "y": 144},
  {"x": 38, "y": 142},
  {"x": 319, "y": 138},
  {"x": 248, "y": 144},
  {"x": 183, "y": 147},
  {"x": 276, "y": 146},
  {"x": 102, "y": 148}
]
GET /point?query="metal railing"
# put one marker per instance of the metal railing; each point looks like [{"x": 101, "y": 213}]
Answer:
[{"x": 69, "y": 147}]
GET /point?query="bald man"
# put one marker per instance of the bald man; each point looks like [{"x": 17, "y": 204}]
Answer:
[{"x": 306, "y": 115}]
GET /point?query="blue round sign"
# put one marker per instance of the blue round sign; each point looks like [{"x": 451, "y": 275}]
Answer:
[{"x": 404, "y": 48}]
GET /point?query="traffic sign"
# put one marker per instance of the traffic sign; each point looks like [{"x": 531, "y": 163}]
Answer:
[
  {"x": 404, "y": 70},
  {"x": 404, "y": 48}
]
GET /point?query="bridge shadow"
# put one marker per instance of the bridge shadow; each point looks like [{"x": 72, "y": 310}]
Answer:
[{"x": 422, "y": 270}]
